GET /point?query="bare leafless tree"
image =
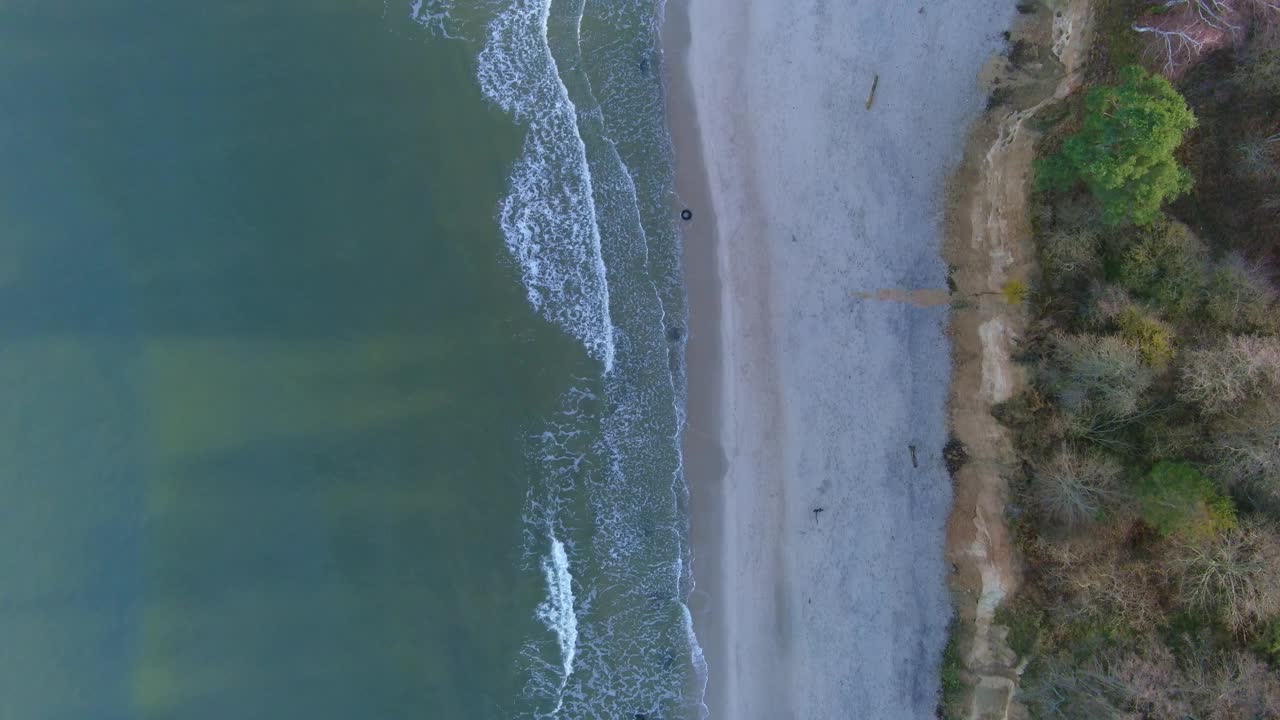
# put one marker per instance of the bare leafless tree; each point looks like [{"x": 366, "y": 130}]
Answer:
[
  {"x": 1186, "y": 29},
  {"x": 1220, "y": 379},
  {"x": 1102, "y": 374},
  {"x": 1248, "y": 459},
  {"x": 1064, "y": 690},
  {"x": 1071, "y": 487},
  {"x": 1178, "y": 45},
  {"x": 1235, "y": 576},
  {"x": 1149, "y": 681},
  {"x": 1183, "y": 30}
]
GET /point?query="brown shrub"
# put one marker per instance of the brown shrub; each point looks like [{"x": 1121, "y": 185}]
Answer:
[
  {"x": 1069, "y": 252},
  {"x": 1241, "y": 687},
  {"x": 1155, "y": 685},
  {"x": 1230, "y": 685},
  {"x": 1094, "y": 579},
  {"x": 1105, "y": 304}
]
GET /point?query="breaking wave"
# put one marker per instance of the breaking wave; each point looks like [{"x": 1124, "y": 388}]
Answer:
[{"x": 548, "y": 218}]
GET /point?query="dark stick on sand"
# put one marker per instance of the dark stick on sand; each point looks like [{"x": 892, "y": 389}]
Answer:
[{"x": 872, "y": 97}]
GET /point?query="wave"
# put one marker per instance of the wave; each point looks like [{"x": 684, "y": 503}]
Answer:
[
  {"x": 557, "y": 611},
  {"x": 548, "y": 219}
]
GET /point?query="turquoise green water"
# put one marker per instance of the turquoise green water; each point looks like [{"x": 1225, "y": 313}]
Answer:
[{"x": 291, "y": 429}]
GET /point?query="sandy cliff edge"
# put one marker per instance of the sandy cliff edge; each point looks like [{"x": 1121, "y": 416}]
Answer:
[{"x": 988, "y": 245}]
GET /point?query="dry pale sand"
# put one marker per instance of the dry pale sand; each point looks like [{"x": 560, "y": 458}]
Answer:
[{"x": 809, "y": 386}]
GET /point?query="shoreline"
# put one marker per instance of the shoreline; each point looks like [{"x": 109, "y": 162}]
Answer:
[
  {"x": 817, "y": 403},
  {"x": 703, "y": 456}
]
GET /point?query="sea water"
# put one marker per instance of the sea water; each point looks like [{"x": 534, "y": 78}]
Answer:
[{"x": 341, "y": 350}]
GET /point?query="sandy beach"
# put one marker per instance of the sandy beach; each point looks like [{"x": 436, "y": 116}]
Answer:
[{"x": 817, "y": 408}]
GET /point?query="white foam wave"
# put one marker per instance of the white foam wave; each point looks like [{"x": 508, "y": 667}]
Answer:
[
  {"x": 434, "y": 15},
  {"x": 557, "y": 610},
  {"x": 548, "y": 219}
]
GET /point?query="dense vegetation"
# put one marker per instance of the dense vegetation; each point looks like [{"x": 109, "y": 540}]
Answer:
[{"x": 1149, "y": 510}]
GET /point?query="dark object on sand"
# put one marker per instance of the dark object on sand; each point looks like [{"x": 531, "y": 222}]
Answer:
[
  {"x": 912, "y": 448},
  {"x": 686, "y": 214},
  {"x": 954, "y": 455},
  {"x": 675, "y": 333},
  {"x": 872, "y": 97}
]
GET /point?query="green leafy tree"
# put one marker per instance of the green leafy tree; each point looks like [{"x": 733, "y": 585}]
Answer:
[
  {"x": 1177, "y": 500},
  {"x": 1124, "y": 152}
]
